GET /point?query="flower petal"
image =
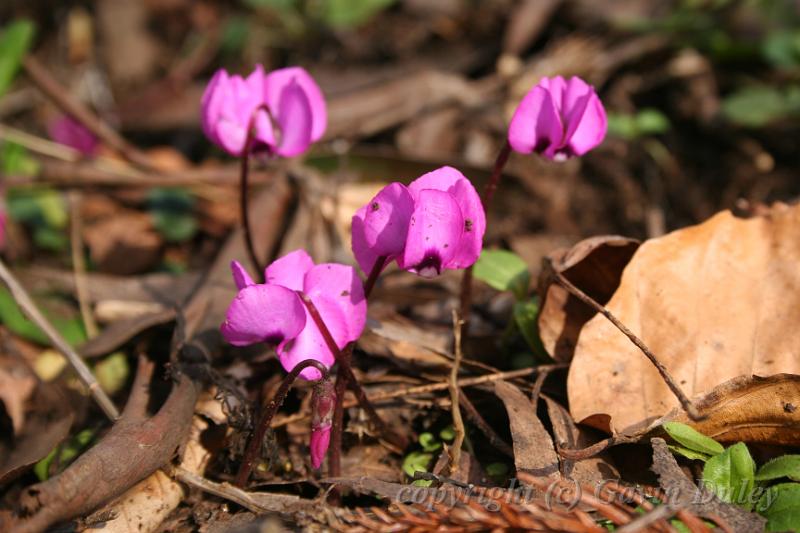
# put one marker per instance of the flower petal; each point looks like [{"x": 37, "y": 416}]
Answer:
[
  {"x": 263, "y": 313},
  {"x": 386, "y": 219},
  {"x": 294, "y": 118},
  {"x": 434, "y": 233},
  {"x": 331, "y": 285},
  {"x": 310, "y": 344},
  {"x": 362, "y": 251},
  {"x": 276, "y": 80},
  {"x": 451, "y": 180},
  {"x": 211, "y": 104},
  {"x": 585, "y": 117},
  {"x": 556, "y": 86},
  {"x": 536, "y": 125},
  {"x": 288, "y": 271},
  {"x": 320, "y": 440},
  {"x": 240, "y": 276}
]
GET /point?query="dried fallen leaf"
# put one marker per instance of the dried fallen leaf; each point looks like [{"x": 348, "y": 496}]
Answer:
[
  {"x": 533, "y": 447},
  {"x": 713, "y": 301},
  {"x": 595, "y": 265}
]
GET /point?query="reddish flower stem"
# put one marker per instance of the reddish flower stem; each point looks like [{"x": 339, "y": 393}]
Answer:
[
  {"x": 243, "y": 190},
  {"x": 257, "y": 437},
  {"x": 346, "y": 371},
  {"x": 373, "y": 275},
  {"x": 486, "y": 200}
]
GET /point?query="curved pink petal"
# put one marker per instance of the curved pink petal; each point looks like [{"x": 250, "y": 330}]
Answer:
[
  {"x": 240, "y": 276},
  {"x": 331, "y": 285},
  {"x": 386, "y": 219},
  {"x": 211, "y": 104},
  {"x": 231, "y": 136},
  {"x": 263, "y": 313},
  {"x": 295, "y": 120},
  {"x": 451, "y": 180},
  {"x": 276, "y": 80},
  {"x": 471, "y": 243},
  {"x": 69, "y": 132},
  {"x": 557, "y": 88},
  {"x": 586, "y": 117},
  {"x": 434, "y": 233},
  {"x": 288, "y": 271},
  {"x": 536, "y": 125},
  {"x": 362, "y": 251},
  {"x": 310, "y": 344}
]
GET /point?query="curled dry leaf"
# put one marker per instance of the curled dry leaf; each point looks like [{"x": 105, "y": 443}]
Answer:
[
  {"x": 713, "y": 302},
  {"x": 595, "y": 265}
]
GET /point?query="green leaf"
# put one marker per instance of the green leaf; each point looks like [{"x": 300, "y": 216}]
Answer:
[
  {"x": 504, "y": 271},
  {"x": 15, "y": 41},
  {"x": 730, "y": 475},
  {"x": 780, "y": 504},
  {"x": 65, "y": 454},
  {"x": 783, "y": 466},
  {"x": 112, "y": 372},
  {"x": 651, "y": 121},
  {"x": 497, "y": 470},
  {"x": 416, "y": 461},
  {"x": 16, "y": 160},
  {"x": 428, "y": 442},
  {"x": 447, "y": 434},
  {"x": 173, "y": 213},
  {"x": 350, "y": 13},
  {"x": 12, "y": 317},
  {"x": 758, "y": 106},
  {"x": 689, "y": 454},
  {"x": 526, "y": 316},
  {"x": 692, "y": 439}
]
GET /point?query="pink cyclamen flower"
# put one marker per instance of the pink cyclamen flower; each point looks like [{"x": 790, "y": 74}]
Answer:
[
  {"x": 435, "y": 223},
  {"x": 323, "y": 401},
  {"x": 273, "y": 312},
  {"x": 288, "y": 98},
  {"x": 558, "y": 119},
  {"x": 67, "y": 131}
]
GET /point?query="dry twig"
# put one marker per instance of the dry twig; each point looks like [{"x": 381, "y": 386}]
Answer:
[{"x": 458, "y": 423}]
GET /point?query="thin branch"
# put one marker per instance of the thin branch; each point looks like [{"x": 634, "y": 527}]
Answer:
[
  {"x": 25, "y": 303},
  {"x": 685, "y": 402},
  {"x": 421, "y": 389},
  {"x": 475, "y": 417},
  {"x": 79, "y": 264},
  {"x": 60, "y": 96},
  {"x": 458, "y": 422}
]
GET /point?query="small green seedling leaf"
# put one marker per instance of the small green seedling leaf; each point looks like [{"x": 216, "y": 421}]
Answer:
[
  {"x": 780, "y": 505},
  {"x": 11, "y": 315},
  {"x": 504, "y": 271},
  {"x": 173, "y": 215},
  {"x": 417, "y": 462},
  {"x": 689, "y": 454},
  {"x": 112, "y": 372},
  {"x": 351, "y": 13},
  {"x": 15, "y": 41},
  {"x": 526, "y": 317},
  {"x": 428, "y": 442},
  {"x": 783, "y": 466},
  {"x": 65, "y": 454},
  {"x": 692, "y": 439},
  {"x": 447, "y": 434},
  {"x": 730, "y": 475}
]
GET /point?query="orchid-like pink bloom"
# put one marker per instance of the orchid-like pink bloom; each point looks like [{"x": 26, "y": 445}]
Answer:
[
  {"x": 323, "y": 401},
  {"x": 67, "y": 131},
  {"x": 273, "y": 312},
  {"x": 558, "y": 119},
  {"x": 288, "y": 98},
  {"x": 435, "y": 223}
]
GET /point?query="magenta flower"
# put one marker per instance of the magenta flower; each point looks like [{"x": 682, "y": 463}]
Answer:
[
  {"x": 435, "y": 223},
  {"x": 273, "y": 312},
  {"x": 67, "y": 131},
  {"x": 323, "y": 401},
  {"x": 558, "y": 119},
  {"x": 288, "y": 98}
]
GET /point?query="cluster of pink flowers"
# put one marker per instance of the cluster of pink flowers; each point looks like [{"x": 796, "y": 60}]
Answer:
[{"x": 437, "y": 222}]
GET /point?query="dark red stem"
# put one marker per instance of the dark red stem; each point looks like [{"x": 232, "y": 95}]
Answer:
[
  {"x": 486, "y": 200},
  {"x": 257, "y": 437},
  {"x": 243, "y": 190},
  {"x": 373, "y": 275},
  {"x": 343, "y": 358}
]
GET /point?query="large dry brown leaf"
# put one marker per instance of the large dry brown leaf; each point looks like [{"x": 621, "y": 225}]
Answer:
[{"x": 713, "y": 301}]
